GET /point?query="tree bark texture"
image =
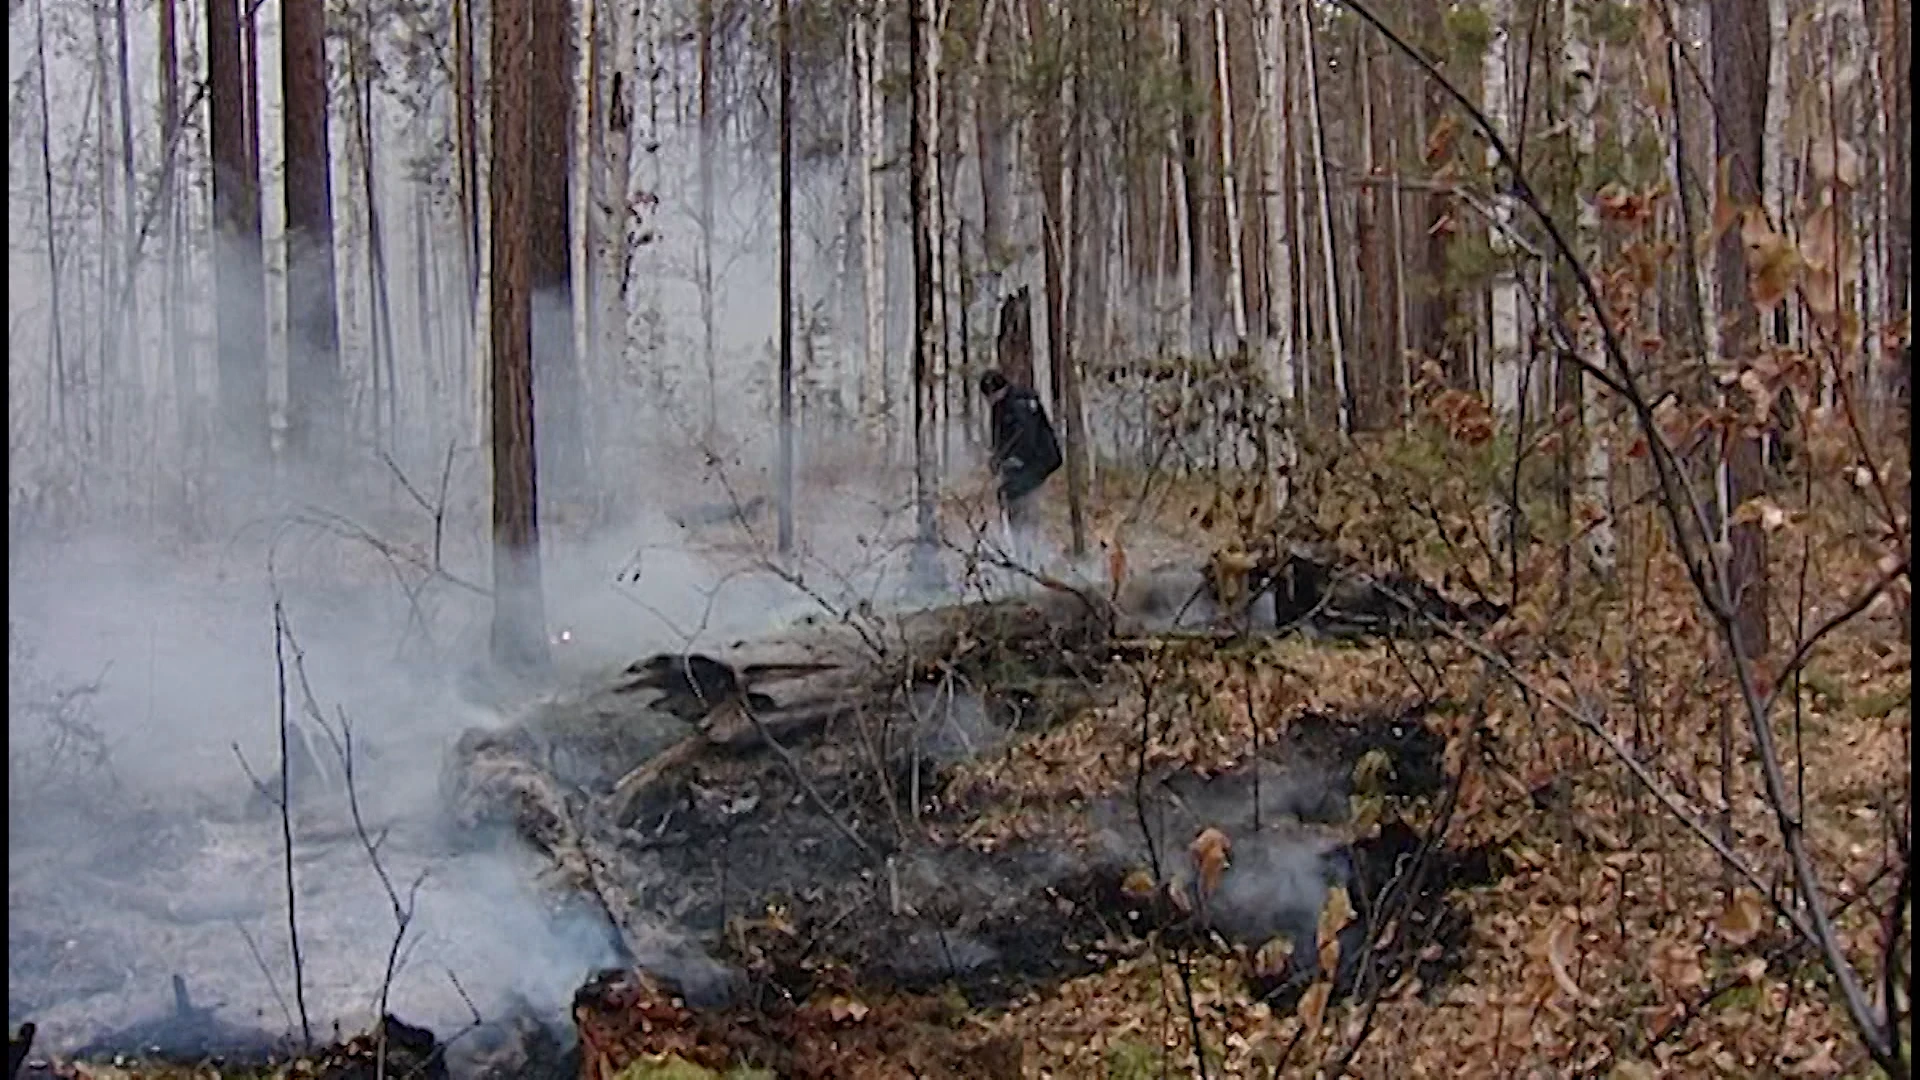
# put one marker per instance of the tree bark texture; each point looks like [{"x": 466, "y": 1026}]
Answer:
[
  {"x": 556, "y": 368},
  {"x": 240, "y": 314},
  {"x": 1740, "y": 45},
  {"x": 519, "y": 637},
  {"x": 315, "y": 403}
]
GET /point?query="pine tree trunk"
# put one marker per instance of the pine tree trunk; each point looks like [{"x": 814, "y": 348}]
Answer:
[
  {"x": 519, "y": 638},
  {"x": 1740, "y": 48},
  {"x": 239, "y": 284},
  {"x": 171, "y": 126},
  {"x": 556, "y": 370},
  {"x": 315, "y": 402}
]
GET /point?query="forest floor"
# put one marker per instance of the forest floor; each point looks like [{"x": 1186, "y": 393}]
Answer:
[{"x": 1512, "y": 903}]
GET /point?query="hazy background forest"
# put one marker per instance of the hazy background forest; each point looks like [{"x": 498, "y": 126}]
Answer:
[{"x": 1595, "y": 312}]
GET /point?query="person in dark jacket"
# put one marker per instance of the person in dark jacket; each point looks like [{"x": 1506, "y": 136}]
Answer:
[{"x": 1025, "y": 454}]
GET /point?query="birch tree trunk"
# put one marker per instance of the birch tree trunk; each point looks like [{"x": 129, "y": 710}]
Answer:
[
  {"x": 922, "y": 132},
  {"x": 875, "y": 395},
  {"x": 1277, "y": 341},
  {"x": 1229, "y": 187},
  {"x": 708, "y": 314},
  {"x": 1583, "y": 71},
  {"x": 1504, "y": 317},
  {"x": 785, "y": 463}
]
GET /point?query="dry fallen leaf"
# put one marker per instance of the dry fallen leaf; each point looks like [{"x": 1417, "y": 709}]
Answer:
[
  {"x": 1743, "y": 919},
  {"x": 1270, "y": 960},
  {"x": 1313, "y": 1003},
  {"x": 1334, "y": 916},
  {"x": 1560, "y": 944},
  {"x": 1209, "y": 852},
  {"x": 1138, "y": 884},
  {"x": 847, "y": 1010}
]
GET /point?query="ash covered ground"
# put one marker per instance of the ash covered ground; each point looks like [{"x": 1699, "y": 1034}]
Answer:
[{"x": 141, "y": 850}]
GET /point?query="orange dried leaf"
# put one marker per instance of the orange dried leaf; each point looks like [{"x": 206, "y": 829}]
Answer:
[
  {"x": 1271, "y": 959},
  {"x": 1335, "y": 914},
  {"x": 1209, "y": 852},
  {"x": 1560, "y": 944},
  {"x": 1743, "y": 919},
  {"x": 1313, "y": 1004}
]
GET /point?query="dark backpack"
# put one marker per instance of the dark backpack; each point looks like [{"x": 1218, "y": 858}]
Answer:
[{"x": 1047, "y": 459}]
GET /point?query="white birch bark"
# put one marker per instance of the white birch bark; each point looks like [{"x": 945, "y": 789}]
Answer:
[
  {"x": 1229, "y": 184},
  {"x": 874, "y": 396},
  {"x": 1599, "y": 544},
  {"x": 1183, "y": 298},
  {"x": 1504, "y": 324},
  {"x": 1277, "y": 342}
]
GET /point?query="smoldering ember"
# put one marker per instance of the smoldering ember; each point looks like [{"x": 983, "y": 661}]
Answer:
[{"x": 983, "y": 539}]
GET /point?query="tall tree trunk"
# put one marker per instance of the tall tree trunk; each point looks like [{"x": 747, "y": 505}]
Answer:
[
  {"x": 171, "y": 122},
  {"x": 315, "y": 402},
  {"x": 1369, "y": 340},
  {"x": 1229, "y": 184},
  {"x": 1041, "y": 34},
  {"x": 56, "y": 314},
  {"x": 386, "y": 390},
  {"x": 1277, "y": 336},
  {"x": 921, "y": 72},
  {"x": 785, "y": 464},
  {"x": 239, "y": 286},
  {"x": 1014, "y": 340},
  {"x": 1504, "y": 317},
  {"x": 1438, "y": 310},
  {"x": 1316, "y": 123},
  {"x": 519, "y": 638},
  {"x": 106, "y": 348},
  {"x": 1193, "y": 169},
  {"x": 1583, "y": 71},
  {"x": 1740, "y": 47},
  {"x": 708, "y": 122},
  {"x": 875, "y": 395},
  {"x": 127, "y": 320},
  {"x": 556, "y": 370},
  {"x": 466, "y": 121}
]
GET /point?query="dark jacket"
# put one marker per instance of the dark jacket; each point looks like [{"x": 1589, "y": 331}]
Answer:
[{"x": 1025, "y": 451}]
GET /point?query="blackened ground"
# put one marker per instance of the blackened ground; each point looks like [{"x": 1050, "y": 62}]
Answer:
[{"x": 746, "y": 861}]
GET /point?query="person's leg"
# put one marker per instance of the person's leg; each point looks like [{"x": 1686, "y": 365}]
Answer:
[{"x": 1023, "y": 523}]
